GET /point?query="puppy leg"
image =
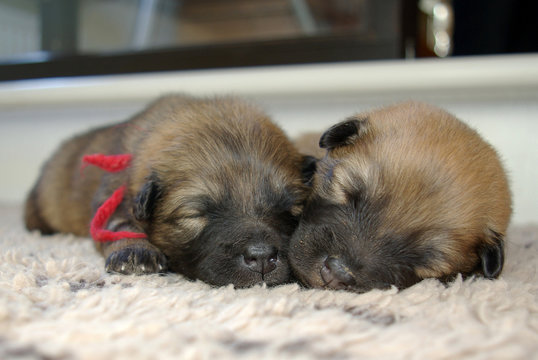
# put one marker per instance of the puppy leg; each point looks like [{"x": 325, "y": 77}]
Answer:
[{"x": 130, "y": 255}]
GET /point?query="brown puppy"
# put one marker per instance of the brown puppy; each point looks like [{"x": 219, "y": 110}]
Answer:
[
  {"x": 404, "y": 193},
  {"x": 215, "y": 185}
]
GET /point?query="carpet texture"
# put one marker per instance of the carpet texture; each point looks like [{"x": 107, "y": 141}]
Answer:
[{"x": 56, "y": 302}]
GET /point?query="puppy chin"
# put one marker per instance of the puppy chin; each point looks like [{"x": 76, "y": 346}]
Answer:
[
  {"x": 249, "y": 279},
  {"x": 280, "y": 276},
  {"x": 244, "y": 278}
]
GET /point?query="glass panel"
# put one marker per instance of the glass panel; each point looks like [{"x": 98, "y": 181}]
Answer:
[{"x": 104, "y": 26}]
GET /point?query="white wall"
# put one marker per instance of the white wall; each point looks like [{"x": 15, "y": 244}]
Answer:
[{"x": 496, "y": 95}]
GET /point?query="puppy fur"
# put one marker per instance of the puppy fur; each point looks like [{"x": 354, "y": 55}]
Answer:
[
  {"x": 403, "y": 193},
  {"x": 215, "y": 185}
]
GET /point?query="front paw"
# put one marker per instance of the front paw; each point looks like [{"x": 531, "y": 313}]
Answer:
[{"x": 136, "y": 260}]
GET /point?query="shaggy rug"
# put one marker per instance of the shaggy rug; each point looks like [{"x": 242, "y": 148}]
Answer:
[{"x": 56, "y": 302}]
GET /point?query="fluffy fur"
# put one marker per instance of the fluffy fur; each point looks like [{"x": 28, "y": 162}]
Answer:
[
  {"x": 215, "y": 185},
  {"x": 404, "y": 193}
]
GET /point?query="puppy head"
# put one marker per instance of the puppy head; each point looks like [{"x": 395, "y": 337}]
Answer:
[
  {"x": 233, "y": 233},
  {"x": 403, "y": 193},
  {"x": 224, "y": 199}
]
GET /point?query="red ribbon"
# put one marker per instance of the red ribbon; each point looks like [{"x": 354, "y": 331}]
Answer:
[{"x": 111, "y": 163}]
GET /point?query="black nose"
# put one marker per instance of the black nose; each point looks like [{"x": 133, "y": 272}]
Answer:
[
  {"x": 261, "y": 258},
  {"x": 336, "y": 274}
]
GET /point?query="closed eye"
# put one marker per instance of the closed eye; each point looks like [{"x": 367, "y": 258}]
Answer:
[
  {"x": 193, "y": 216},
  {"x": 190, "y": 208}
]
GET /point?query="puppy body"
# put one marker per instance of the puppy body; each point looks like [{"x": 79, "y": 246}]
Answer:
[
  {"x": 215, "y": 185},
  {"x": 308, "y": 144},
  {"x": 404, "y": 193}
]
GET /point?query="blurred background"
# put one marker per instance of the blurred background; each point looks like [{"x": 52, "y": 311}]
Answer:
[
  {"x": 67, "y": 65},
  {"x": 44, "y": 38}
]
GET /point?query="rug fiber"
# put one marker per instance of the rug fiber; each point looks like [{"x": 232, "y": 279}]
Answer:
[{"x": 56, "y": 302}]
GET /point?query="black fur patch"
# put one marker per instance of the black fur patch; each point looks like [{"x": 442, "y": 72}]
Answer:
[{"x": 308, "y": 169}]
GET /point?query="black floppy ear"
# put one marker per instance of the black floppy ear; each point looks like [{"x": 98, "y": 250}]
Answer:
[
  {"x": 492, "y": 256},
  {"x": 144, "y": 202},
  {"x": 308, "y": 169},
  {"x": 344, "y": 133}
]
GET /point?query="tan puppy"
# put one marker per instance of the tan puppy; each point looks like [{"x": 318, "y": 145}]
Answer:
[
  {"x": 404, "y": 193},
  {"x": 215, "y": 185}
]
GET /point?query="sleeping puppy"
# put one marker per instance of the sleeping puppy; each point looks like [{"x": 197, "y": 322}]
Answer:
[
  {"x": 403, "y": 193},
  {"x": 213, "y": 183}
]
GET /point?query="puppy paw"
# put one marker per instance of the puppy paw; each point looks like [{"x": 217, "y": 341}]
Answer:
[{"x": 136, "y": 260}]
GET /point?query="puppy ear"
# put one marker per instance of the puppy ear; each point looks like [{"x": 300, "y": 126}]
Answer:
[
  {"x": 492, "y": 256},
  {"x": 344, "y": 133},
  {"x": 308, "y": 169},
  {"x": 146, "y": 199}
]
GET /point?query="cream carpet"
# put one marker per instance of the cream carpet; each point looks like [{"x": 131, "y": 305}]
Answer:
[{"x": 56, "y": 302}]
